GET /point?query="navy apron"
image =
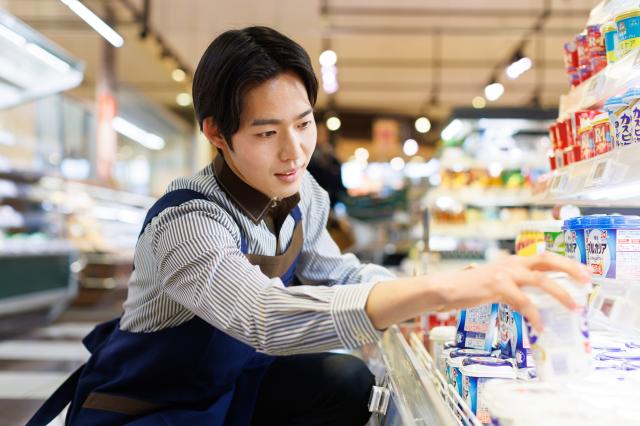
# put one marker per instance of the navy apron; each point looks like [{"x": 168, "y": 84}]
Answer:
[{"x": 191, "y": 374}]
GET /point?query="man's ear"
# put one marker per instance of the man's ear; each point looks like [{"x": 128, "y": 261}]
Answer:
[{"x": 212, "y": 132}]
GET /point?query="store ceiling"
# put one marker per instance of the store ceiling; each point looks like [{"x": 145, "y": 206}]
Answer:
[{"x": 394, "y": 56}]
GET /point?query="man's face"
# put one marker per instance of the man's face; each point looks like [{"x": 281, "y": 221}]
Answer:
[{"x": 276, "y": 138}]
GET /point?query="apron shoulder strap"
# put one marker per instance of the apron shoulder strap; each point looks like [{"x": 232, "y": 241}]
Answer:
[
  {"x": 56, "y": 402},
  {"x": 170, "y": 199},
  {"x": 175, "y": 198}
]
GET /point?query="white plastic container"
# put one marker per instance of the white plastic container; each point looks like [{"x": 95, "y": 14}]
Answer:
[
  {"x": 438, "y": 336},
  {"x": 562, "y": 351},
  {"x": 454, "y": 363},
  {"x": 476, "y": 372}
]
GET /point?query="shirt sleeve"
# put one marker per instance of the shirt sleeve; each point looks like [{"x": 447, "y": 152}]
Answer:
[{"x": 202, "y": 268}]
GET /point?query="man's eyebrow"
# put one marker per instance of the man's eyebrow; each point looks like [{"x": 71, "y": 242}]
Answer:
[{"x": 267, "y": 121}]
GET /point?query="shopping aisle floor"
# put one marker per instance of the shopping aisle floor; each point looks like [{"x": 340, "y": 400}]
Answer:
[{"x": 34, "y": 364}]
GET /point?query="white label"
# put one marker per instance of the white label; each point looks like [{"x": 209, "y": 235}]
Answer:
[{"x": 628, "y": 254}]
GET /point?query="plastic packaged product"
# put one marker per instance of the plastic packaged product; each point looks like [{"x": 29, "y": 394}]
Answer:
[
  {"x": 586, "y": 140},
  {"x": 582, "y": 45},
  {"x": 476, "y": 372},
  {"x": 574, "y": 243},
  {"x": 570, "y": 56},
  {"x": 610, "y": 35},
  {"x": 553, "y": 236},
  {"x": 628, "y": 25},
  {"x": 613, "y": 246},
  {"x": 454, "y": 363},
  {"x": 438, "y": 337},
  {"x": 562, "y": 351},
  {"x": 477, "y": 327},
  {"x": 619, "y": 121},
  {"x": 514, "y": 337},
  {"x": 441, "y": 361},
  {"x": 597, "y": 52},
  {"x": 529, "y": 241},
  {"x": 632, "y": 97},
  {"x": 601, "y": 134}
]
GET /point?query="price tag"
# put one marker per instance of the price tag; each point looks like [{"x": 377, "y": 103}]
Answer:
[
  {"x": 594, "y": 88},
  {"x": 558, "y": 183},
  {"x": 599, "y": 174}
]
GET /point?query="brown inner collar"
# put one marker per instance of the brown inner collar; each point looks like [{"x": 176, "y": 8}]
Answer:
[{"x": 252, "y": 202}]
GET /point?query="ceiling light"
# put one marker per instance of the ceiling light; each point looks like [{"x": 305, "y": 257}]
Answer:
[
  {"x": 144, "y": 138},
  {"x": 410, "y": 147},
  {"x": 519, "y": 67},
  {"x": 361, "y": 154},
  {"x": 178, "y": 75},
  {"x": 95, "y": 22},
  {"x": 423, "y": 125},
  {"x": 333, "y": 123},
  {"x": 493, "y": 91},
  {"x": 451, "y": 130},
  {"x": 479, "y": 102},
  {"x": 397, "y": 164},
  {"x": 183, "y": 99},
  {"x": 12, "y": 36},
  {"x": 328, "y": 58}
]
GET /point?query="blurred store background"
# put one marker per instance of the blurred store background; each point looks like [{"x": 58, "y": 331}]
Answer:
[{"x": 433, "y": 126}]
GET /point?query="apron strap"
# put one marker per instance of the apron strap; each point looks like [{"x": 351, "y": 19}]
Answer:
[{"x": 56, "y": 402}]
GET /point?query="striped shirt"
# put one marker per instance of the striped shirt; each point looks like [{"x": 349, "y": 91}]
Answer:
[{"x": 188, "y": 262}]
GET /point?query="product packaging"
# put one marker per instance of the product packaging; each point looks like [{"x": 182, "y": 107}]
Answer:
[
  {"x": 514, "y": 338},
  {"x": 477, "y": 327},
  {"x": 574, "y": 244},
  {"x": 562, "y": 351},
  {"x": 476, "y": 373},
  {"x": 454, "y": 363},
  {"x": 628, "y": 25},
  {"x": 610, "y": 35},
  {"x": 613, "y": 246},
  {"x": 619, "y": 121},
  {"x": 632, "y": 97}
]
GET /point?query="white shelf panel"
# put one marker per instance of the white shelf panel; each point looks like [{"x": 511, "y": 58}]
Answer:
[
  {"x": 611, "y": 179},
  {"x": 611, "y": 81}
]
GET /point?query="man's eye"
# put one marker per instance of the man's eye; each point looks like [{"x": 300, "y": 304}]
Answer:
[
  {"x": 266, "y": 134},
  {"x": 305, "y": 124}
]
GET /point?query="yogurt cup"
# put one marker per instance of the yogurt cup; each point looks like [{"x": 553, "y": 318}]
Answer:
[
  {"x": 619, "y": 121},
  {"x": 454, "y": 363},
  {"x": 514, "y": 339},
  {"x": 562, "y": 351},
  {"x": 476, "y": 372},
  {"x": 628, "y": 25},
  {"x": 438, "y": 337},
  {"x": 601, "y": 134},
  {"x": 632, "y": 97},
  {"x": 574, "y": 243},
  {"x": 476, "y": 328},
  {"x": 613, "y": 246},
  {"x": 610, "y": 35},
  {"x": 553, "y": 236}
]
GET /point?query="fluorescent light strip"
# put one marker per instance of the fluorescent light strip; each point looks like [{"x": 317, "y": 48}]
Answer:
[
  {"x": 95, "y": 22},
  {"x": 12, "y": 36},
  {"x": 144, "y": 138},
  {"x": 47, "y": 57}
]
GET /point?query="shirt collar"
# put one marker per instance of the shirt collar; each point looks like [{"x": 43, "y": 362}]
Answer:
[{"x": 252, "y": 202}]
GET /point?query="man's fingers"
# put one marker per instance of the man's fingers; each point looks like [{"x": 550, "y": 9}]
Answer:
[
  {"x": 542, "y": 281},
  {"x": 554, "y": 262},
  {"x": 513, "y": 296}
]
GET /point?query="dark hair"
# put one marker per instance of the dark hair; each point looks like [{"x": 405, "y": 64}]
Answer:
[{"x": 239, "y": 60}]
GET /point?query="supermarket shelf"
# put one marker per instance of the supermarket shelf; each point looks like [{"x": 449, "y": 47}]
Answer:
[
  {"x": 482, "y": 197},
  {"x": 487, "y": 230},
  {"x": 614, "y": 306},
  {"x": 412, "y": 391},
  {"x": 611, "y": 179},
  {"x": 611, "y": 81}
]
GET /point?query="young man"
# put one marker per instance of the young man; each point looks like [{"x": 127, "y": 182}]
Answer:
[{"x": 239, "y": 292}]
